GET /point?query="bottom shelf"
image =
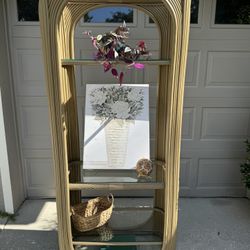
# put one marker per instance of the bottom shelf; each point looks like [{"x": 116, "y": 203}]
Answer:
[
  {"x": 118, "y": 247},
  {"x": 127, "y": 227}
]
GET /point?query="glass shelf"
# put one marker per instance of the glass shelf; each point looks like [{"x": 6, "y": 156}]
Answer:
[
  {"x": 89, "y": 62},
  {"x": 111, "y": 179},
  {"x": 125, "y": 228}
]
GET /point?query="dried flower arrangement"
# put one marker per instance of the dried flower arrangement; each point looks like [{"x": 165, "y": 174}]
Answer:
[
  {"x": 117, "y": 103},
  {"x": 111, "y": 48}
]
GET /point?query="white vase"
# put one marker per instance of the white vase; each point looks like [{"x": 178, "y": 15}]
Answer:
[{"x": 116, "y": 134}]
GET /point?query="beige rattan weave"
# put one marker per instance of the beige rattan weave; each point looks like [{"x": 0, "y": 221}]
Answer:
[{"x": 92, "y": 214}]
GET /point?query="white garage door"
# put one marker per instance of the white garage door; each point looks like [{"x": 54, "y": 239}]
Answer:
[{"x": 217, "y": 97}]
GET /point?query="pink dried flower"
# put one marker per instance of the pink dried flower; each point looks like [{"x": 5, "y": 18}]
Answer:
[
  {"x": 110, "y": 55},
  {"x": 106, "y": 66},
  {"x": 139, "y": 66},
  {"x": 121, "y": 78},
  {"x": 141, "y": 44},
  {"x": 114, "y": 73}
]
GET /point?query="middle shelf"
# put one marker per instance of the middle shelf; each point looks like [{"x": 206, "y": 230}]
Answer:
[
  {"x": 116, "y": 186},
  {"x": 114, "y": 179}
]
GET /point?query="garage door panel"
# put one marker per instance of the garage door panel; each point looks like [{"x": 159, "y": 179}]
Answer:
[
  {"x": 227, "y": 148},
  {"x": 228, "y": 69},
  {"x": 34, "y": 123},
  {"x": 217, "y": 92},
  {"x": 27, "y": 43},
  {"x": 40, "y": 176},
  {"x": 225, "y": 124},
  {"x": 218, "y": 177},
  {"x": 218, "y": 127},
  {"x": 219, "y": 173},
  {"x": 30, "y": 68},
  {"x": 223, "y": 69},
  {"x": 227, "y": 191},
  {"x": 185, "y": 165},
  {"x": 210, "y": 176},
  {"x": 219, "y": 34},
  {"x": 215, "y": 102},
  {"x": 220, "y": 45},
  {"x": 188, "y": 123},
  {"x": 37, "y": 153},
  {"x": 188, "y": 174},
  {"x": 196, "y": 67},
  {"x": 193, "y": 69},
  {"x": 39, "y": 172},
  {"x": 31, "y": 31},
  {"x": 213, "y": 151}
]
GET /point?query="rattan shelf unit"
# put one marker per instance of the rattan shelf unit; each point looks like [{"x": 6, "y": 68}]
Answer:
[{"x": 58, "y": 19}]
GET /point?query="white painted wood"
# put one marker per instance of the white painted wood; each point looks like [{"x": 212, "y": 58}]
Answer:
[
  {"x": 11, "y": 188},
  {"x": 1, "y": 195},
  {"x": 31, "y": 105},
  {"x": 216, "y": 113},
  {"x": 217, "y": 97},
  {"x": 223, "y": 69},
  {"x": 4, "y": 166}
]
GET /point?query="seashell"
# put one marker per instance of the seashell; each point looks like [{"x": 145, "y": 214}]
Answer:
[
  {"x": 144, "y": 167},
  {"x": 127, "y": 49},
  {"x": 116, "y": 54},
  {"x": 99, "y": 38}
]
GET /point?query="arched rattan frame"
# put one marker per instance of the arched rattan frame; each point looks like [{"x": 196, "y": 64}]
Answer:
[{"x": 58, "y": 19}]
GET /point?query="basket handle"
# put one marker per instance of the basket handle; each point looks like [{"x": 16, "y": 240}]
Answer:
[
  {"x": 72, "y": 210},
  {"x": 110, "y": 197}
]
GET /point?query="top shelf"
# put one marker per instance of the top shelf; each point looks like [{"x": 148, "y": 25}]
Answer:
[{"x": 89, "y": 62}]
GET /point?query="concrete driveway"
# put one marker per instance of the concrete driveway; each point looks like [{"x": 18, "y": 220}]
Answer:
[{"x": 204, "y": 224}]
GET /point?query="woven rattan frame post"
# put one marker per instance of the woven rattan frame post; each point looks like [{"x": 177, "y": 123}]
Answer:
[{"x": 58, "y": 19}]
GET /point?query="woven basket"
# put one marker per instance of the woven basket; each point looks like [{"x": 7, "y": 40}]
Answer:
[{"x": 92, "y": 214}]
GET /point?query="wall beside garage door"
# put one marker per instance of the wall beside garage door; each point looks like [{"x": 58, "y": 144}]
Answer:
[{"x": 216, "y": 114}]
